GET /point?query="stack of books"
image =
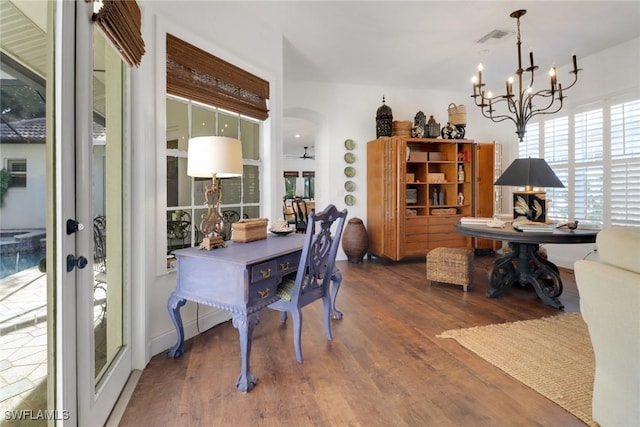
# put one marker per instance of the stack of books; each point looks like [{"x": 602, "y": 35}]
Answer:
[
  {"x": 475, "y": 220},
  {"x": 533, "y": 227}
]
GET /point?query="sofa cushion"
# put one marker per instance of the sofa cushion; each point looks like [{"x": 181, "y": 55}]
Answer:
[{"x": 620, "y": 247}]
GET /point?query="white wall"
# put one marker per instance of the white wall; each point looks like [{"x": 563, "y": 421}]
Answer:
[{"x": 24, "y": 207}]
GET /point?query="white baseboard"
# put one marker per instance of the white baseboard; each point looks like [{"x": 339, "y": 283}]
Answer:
[{"x": 165, "y": 341}]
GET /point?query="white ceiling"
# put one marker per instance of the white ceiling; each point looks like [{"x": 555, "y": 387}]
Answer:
[{"x": 433, "y": 44}]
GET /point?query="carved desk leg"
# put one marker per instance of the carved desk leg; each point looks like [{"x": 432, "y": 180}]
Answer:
[
  {"x": 173, "y": 305},
  {"x": 336, "y": 281},
  {"x": 503, "y": 274},
  {"x": 245, "y": 324}
]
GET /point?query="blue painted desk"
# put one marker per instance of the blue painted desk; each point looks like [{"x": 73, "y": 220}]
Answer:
[{"x": 242, "y": 279}]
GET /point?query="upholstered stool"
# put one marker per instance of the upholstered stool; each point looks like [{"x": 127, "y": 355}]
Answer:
[{"x": 450, "y": 265}]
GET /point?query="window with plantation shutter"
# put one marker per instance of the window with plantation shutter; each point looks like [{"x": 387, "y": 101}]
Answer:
[
  {"x": 625, "y": 164},
  {"x": 556, "y": 153},
  {"x": 600, "y": 168}
]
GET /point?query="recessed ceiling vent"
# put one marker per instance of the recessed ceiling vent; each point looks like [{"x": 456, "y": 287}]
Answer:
[{"x": 495, "y": 34}]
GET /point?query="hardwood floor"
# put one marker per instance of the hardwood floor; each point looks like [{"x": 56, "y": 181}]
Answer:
[{"x": 384, "y": 367}]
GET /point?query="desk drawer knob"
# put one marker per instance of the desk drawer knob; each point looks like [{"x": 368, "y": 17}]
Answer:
[
  {"x": 264, "y": 294},
  {"x": 266, "y": 273},
  {"x": 285, "y": 265}
]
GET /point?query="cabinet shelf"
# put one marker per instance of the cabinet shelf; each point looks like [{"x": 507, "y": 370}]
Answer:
[{"x": 402, "y": 170}]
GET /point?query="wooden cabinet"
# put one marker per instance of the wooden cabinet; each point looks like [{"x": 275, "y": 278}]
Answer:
[{"x": 417, "y": 189}]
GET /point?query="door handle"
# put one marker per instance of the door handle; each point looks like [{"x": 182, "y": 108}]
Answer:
[{"x": 73, "y": 262}]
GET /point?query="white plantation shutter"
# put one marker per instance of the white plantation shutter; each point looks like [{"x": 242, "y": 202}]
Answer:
[
  {"x": 556, "y": 141},
  {"x": 588, "y": 194},
  {"x": 558, "y": 202},
  {"x": 588, "y": 128},
  {"x": 625, "y": 194},
  {"x": 556, "y": 153},
  {"x": 530, "y": 145},
  {"x": 588, "y": 181},
  {"x": 625, "y": 164}
]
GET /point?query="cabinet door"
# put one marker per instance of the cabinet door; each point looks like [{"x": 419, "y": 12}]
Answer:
[
  {"x": 484, "y": 192},
  {"x": 382, "y": 197}
]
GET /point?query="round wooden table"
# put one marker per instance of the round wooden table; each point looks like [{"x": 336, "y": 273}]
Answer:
[{"x": 523, "y": 263}]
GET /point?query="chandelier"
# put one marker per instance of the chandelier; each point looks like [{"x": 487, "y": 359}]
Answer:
[{"x": 525, "y": 103}]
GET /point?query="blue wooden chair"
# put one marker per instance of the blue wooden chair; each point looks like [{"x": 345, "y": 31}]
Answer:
[{"x": 315, "y": 272}]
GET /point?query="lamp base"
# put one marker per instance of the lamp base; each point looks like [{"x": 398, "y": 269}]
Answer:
[
  {"x": 530, "y": 205},
  {"x": 212, "y": 242}
]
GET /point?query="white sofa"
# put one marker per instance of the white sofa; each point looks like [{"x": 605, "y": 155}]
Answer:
[{"x": 610, "y": 305}]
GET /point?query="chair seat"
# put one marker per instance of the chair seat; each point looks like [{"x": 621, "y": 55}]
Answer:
[{"x": 287, "y": 286}]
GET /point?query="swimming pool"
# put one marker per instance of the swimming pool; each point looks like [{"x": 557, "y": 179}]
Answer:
[{"x": 14, "y": 263}]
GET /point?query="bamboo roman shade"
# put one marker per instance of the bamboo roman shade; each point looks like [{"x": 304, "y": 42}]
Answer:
[
  {"x": 120, "y": 21},
  {"x": 195, "y": 74}
]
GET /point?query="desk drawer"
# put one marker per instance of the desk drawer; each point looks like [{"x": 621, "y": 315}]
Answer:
[
  {"x": 264, "y": 271},
  {"x": 288, "y": 263},
  {"x": 262, "y": 290}
]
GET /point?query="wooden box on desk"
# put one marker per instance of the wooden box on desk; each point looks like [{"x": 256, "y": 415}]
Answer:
[{"x": 248, "y": 230}]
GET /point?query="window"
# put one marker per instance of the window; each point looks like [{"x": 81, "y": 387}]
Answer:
[
  {"x": 596, "y": 154},
  {"x": 18, "y": 172},
  {"x": 309, "y": 184},
  {"x": 290, "y": 178},
  {"x": 185, "y": 195}
]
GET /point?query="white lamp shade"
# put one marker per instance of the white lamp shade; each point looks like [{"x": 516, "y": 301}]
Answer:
[{"x": 219, "y": 155}]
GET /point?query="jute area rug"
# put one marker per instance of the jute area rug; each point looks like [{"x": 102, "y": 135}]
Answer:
[{"x": 552, "y": 355}]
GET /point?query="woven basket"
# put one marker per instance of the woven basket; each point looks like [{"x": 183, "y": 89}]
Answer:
[
  {"x": 443, "y": 211},
  {"x": 457, "y": 114},
  {"x": 401, "y": 128},
  {"x": 451, "y": 265}
]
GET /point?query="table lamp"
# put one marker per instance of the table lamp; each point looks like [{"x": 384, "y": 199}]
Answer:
[
  {"x": 213, "y": 157},
  {"x": 530, "y": 203}
]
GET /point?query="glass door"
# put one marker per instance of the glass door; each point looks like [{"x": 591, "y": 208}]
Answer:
[
  {"x": 27, "y": 234},
  {"x": 104, "y": 357}
]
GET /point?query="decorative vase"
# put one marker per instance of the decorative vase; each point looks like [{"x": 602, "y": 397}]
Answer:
[
  {"x": 355, "y": 241},
  {"x": 449, "y": 132}
]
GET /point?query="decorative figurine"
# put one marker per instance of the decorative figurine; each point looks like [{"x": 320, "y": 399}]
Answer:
[
  {"x": 384, "y": 120},
  {"x": 435, "y": 197},
  {"x": 433, "y": 128},
  {"x": 460, "y": 199},
  {"x": 441, "y": 198}
]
